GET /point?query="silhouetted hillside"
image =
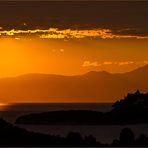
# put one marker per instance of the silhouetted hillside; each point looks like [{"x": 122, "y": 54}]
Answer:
[
  {"x": 14, "y": 136},
  {"x": 133, "y": 109},
  {"x": 92, "y": 86}
]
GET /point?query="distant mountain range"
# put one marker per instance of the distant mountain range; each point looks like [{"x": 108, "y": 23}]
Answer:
[{"x": 90, "y": 87}]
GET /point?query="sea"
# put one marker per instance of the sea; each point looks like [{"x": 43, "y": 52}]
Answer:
[{"x": 103, "y": 133}]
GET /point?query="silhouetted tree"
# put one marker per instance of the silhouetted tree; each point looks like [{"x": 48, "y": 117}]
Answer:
[
  {"x": 75, "y": 139},
  {"x": 142, "y": 140},
  {"x": 90, "y": 140},
  {"x": 115, "y": 142},
  {"x": 127, "y": 137}
]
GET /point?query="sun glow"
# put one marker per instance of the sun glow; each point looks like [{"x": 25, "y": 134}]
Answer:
[
  {"x": 23, "y": 56},
  {"x": 3, "y": 106}
]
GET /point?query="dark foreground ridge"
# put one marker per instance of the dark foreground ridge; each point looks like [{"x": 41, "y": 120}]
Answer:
[
  {"x": 133, "y": 109},
  {"x": 14, "y": 136}
]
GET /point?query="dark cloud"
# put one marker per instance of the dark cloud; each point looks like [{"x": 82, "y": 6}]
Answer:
[{"x": 121, "y": 17}]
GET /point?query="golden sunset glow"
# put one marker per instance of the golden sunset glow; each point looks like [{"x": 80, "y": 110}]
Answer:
[
  {"x": 73, "y": 43},
  {"x": 3, "y": 106},
  {"x": 58, "y": 56}
]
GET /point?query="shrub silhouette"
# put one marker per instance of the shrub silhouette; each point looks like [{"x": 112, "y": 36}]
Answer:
[
  {"x": 127, "y": 137},
  {"x": 75, "y": 139},
  {"x": 142, "y": 140},
  {"x": 90, "y": 140}
]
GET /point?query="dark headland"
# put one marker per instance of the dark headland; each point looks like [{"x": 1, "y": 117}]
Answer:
[{"x": 133, "y": 109}]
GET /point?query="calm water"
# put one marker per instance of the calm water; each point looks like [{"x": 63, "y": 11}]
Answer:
[{"x": 102, "y": 133}]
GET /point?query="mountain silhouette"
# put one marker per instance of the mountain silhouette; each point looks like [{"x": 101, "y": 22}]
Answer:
[
  {"x": 90, "y": 87},
  {"x": 138, "y": 75}
]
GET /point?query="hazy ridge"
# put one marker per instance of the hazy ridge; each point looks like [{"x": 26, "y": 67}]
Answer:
[{"x": 90, "y": 87}]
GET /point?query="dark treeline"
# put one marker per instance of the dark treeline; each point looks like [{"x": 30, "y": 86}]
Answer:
[{"x": 14, "y": 136}]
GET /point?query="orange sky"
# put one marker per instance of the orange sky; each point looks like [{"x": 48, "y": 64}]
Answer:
[
  {"x": 51, "y": 37},
  {"x": 70, "y": 56},
  {"x": 34, "y": 38}
]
